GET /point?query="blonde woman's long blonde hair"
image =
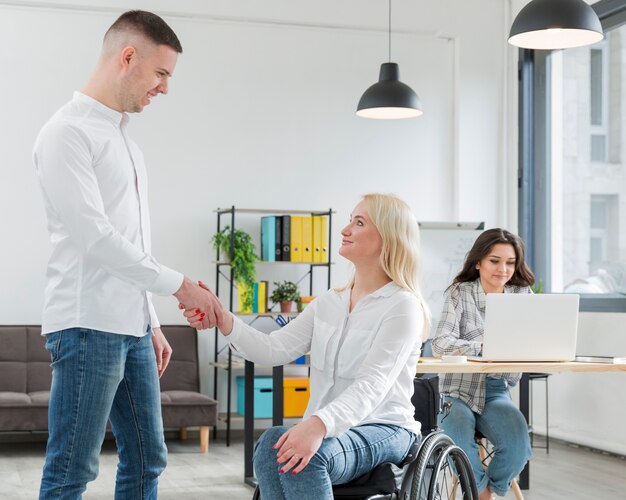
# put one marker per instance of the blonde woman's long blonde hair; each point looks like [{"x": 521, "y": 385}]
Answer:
[{"x": 400, "y": 256}]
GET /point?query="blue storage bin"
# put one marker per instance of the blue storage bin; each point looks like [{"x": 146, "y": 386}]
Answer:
[{"x": 262, "y": 396}]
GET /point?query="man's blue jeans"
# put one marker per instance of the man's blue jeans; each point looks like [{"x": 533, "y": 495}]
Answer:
[
  {"x": 339, "y": 460},
  {"x": 503, "y": 425},
  {"x": 97, "y": 376}
]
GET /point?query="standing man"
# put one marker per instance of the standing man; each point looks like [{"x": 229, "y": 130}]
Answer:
[{"x": 101, "y": 329}]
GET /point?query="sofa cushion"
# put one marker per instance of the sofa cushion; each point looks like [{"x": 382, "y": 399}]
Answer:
[
  {"x": 24, "y": 418},
  {"x": 12, "y": 375},
  {"x": 24, "y": 361},
  {"x": 187, "y": 409},
  {"x": 39, "y": 372},
  {"x": 182, "y": 372},
  {"x": 24, "y": 412},
  {"x": 182, "y": 398},
  {"x": 20, "y": 399},
  {"x": 13, "y": 340}
]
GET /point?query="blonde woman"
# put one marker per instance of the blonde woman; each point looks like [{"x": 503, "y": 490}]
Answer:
[{"x": 364, "y": 341}]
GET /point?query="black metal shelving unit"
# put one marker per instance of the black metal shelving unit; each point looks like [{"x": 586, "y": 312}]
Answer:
[{"x": 227, "y": 216}]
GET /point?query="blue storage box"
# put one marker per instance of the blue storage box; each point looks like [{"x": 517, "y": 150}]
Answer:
[{"x": 262, "y": 396}]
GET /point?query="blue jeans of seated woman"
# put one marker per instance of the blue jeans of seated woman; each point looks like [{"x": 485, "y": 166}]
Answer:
[
  {"x": 503, "y": 425},
  {"x": 97, "y": 376},
  {"x": 339, "y": 460}
]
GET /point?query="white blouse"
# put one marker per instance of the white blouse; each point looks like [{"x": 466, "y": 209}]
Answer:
[{"x": 362, "y": 362}]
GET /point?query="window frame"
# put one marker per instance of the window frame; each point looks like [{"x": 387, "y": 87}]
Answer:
[{"x": 534, "y": 163}]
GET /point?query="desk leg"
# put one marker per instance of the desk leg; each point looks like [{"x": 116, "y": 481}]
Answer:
[
  {"x": 248, "y": 423},
  {"x": 524, "y": 403},
  {"x": 277, "y": 396}
]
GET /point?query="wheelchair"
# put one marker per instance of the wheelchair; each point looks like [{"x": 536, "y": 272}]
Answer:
[{"x": 434, "y": 469}]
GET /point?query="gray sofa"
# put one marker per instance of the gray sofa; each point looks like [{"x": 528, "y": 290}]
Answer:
[{"x": 25, "y": 377}]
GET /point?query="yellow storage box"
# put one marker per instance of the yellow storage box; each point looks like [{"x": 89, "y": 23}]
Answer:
[{"x": 296, "y": 396}]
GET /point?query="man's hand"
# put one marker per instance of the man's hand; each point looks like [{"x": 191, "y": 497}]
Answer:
[
  {"x": 198, "y": 320},
  {"x": 202, "y": 301},
  {"x": 162, "y": 350},
  {"x": 297, "y": 446}
]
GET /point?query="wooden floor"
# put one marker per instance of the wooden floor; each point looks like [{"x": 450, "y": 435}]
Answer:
[{"x": 567, "y": 473}]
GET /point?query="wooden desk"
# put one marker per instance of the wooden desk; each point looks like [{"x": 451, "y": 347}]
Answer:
[{"x": 434, "y": 365}]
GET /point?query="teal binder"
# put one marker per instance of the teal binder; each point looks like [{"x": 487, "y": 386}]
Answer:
[
  {"x": 268, "y": 238},
  {"x": 255, "y": 297}
]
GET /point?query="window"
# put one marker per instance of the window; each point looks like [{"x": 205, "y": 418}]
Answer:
[
  {"x": 572, "y": 174},
  {"x": 598, "y": 97}
]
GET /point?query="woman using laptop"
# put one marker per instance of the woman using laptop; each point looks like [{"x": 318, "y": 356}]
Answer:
[
  {"x": 364, "y": 341},
  {"x": 481, "y": 402}
]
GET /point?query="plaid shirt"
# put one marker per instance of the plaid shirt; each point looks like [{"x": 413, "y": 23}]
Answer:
[{"x": 460, "y": 332}]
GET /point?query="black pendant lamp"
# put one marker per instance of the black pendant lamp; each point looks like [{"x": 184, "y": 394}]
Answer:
[
  {"x": 389, "y": 98},
  {"x": 555, "y": 24}
]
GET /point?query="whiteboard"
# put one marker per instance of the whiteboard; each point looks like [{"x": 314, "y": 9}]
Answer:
[{"x": 444, "y": 247}]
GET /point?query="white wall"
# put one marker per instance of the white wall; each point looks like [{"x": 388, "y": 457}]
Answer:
[{"x": 261, "y": 114}]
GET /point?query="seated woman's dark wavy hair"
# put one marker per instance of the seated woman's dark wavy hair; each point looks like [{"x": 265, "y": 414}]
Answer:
[{"x": 522, "y": 276}]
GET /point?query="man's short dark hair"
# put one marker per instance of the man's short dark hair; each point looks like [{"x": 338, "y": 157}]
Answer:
[{"x": 149, "y": 25}]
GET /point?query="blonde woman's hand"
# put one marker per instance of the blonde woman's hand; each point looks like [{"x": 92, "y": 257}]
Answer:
[
  {"x": 199, "y": 321},
  {"x": 297, "y": 446}
]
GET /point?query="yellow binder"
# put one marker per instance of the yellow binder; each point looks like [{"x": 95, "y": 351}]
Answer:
[
  {"x": 262, "y": 297},
  {"x": 317, "y": 238},
  {"x": 325, "y": 235},
  {"x": 307, "y": 239},
  {"x": 296, "y": 238},
  {"x": 241, "y": 291}
]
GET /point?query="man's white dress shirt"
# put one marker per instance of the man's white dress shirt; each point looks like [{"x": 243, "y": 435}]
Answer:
[
  {"x": 362, "y": 362},
  {"x": 93, "y": 179}
]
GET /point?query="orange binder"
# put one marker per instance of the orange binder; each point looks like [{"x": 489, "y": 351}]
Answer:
[
  {"x": 296, "y": 238},
  {"x": 317, "y": 238},
  {"x": 307, "y": 239}
]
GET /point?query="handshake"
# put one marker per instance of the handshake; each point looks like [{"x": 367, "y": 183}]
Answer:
[{"x": 202, "y": 307}]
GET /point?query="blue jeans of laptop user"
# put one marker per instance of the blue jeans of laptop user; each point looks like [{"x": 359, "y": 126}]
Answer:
[
  {"x": 503, "y": 425},
  {"x": 96, "y": 376},
  {"x": 339, "y": 460}
]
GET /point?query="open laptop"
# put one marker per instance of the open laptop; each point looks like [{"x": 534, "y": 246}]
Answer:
[{"x": 530, "y": 327}]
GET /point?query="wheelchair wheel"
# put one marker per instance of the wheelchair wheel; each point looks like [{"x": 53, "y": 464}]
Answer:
[
  {"x": 452, "y": 477},
  {"x": 257, "y": 494},
  {"x": 432, "y": 474}
]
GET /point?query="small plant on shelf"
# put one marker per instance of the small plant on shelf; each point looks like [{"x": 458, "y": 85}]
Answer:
[
  {"x": 242, "y": 262},
  {"x": 285, "y": 293}
]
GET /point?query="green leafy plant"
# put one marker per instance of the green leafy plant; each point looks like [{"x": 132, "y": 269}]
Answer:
[
  {"x": 538, "y": 287},
  {"x": 285, "y": 291},
  {"x": 242, "y": 259}
]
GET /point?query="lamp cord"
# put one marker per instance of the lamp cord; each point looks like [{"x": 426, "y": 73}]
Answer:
[{"x": 389, "y": 30}]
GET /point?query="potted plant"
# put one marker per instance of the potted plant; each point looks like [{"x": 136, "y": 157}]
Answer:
[
  {"x": 242, "y": 261},
  {"x": 285, "y": 294}
]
